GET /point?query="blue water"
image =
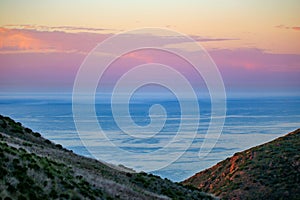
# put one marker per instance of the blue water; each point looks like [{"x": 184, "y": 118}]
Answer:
[{"x": 249, "y": 122}]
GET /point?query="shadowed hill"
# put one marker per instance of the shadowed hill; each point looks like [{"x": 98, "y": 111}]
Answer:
[
  {"x": 33, "y": 167},
  {"x": 268, "y": 171}
]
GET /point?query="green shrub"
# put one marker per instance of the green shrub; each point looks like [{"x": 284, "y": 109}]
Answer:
[
  {"x": 33, "y": 166},
  {"x": 17, "y": 129},
  {"x": 11, "y": 188},
  {"x": 32, "y": 195},
  {"x": 59, "y": 146},
  {"x": 64, "y": 196},
  {"x": 22, "y": 197},
  {"x": 3, "y": 172},
  {"x": 3, "y": 124},
  {"x": 53, "y": 194},
  {"x": 16, "y": 161},
  {"x": 27, "y": 144},
  {"x": 48, "y": 141},
  {"x": 36, "y": 134},
  {"x": 28, "y": 130}
]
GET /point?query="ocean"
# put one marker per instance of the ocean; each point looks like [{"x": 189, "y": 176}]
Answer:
[{"x": 249, "y": 122}]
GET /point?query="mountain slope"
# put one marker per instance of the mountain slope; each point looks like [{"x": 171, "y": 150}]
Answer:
[
  {"x": 268, "y": 171},
  {"x": 32, "y": 167}
]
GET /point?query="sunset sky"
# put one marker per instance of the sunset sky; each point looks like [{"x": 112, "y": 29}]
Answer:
[{"x": 255, "y": 44}]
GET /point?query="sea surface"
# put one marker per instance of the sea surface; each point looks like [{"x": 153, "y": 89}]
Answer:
[{"x": 249, "y": 122}]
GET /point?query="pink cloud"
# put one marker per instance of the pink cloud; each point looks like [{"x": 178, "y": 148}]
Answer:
[
  {"x": 33, "y": 38},
  {"x": 255, "y": 59},
  {"x": 12, "y": 40},
  {"x": 295, "y": 28},
  {"x": 53, "y": 58},
  {"x": 252, "y": 68},
  {"x": 139, "y": 56}
]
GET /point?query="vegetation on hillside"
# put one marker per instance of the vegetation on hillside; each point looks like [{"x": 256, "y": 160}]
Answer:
[
  {"x": 268, "y": 171},
  {"x": 33, "y": 167}
]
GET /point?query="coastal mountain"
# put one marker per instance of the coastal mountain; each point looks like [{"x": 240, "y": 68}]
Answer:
[
  {"x": 268, "y": 171},
  {"x": 32, "y": 167}
]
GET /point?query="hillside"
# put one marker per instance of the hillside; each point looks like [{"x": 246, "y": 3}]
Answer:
[
  {"x": 268, "y": 171},
  {"x": 33, "y": 167}
]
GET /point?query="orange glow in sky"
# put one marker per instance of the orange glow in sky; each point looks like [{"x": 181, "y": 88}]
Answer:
[{"x": 262, "y": 36}]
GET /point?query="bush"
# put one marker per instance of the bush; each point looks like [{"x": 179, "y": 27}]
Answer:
[
  {"x": 15, "y": 161},
  {"x": 32, "y": 195},
  {"x": 3, "y": 172},
  {"x": 28, "y": 130},
  {"x": 59, "y": 146},
  {"x": 3, "y": 124},
  {"x": 64, "y": 196},
  {"x": 17, "y": 129},
  {"x": 33, "y": 166},
  {"x": 53, "y": 194},
  {"x": 48, "y": 141},
  {"x": 27, "y": 144},
  {"x": 22, "y": 197},
  {"x": 11, "y": 188},
  {"x": 36, "y": 134}
]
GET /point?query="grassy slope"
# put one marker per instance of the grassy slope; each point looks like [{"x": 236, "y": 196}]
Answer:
[
  {"x": 35, "y": 168},
  {"x": 268, "y": 171}
]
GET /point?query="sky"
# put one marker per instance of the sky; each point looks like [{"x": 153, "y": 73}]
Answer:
[{"x": 255, "y": 44}]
